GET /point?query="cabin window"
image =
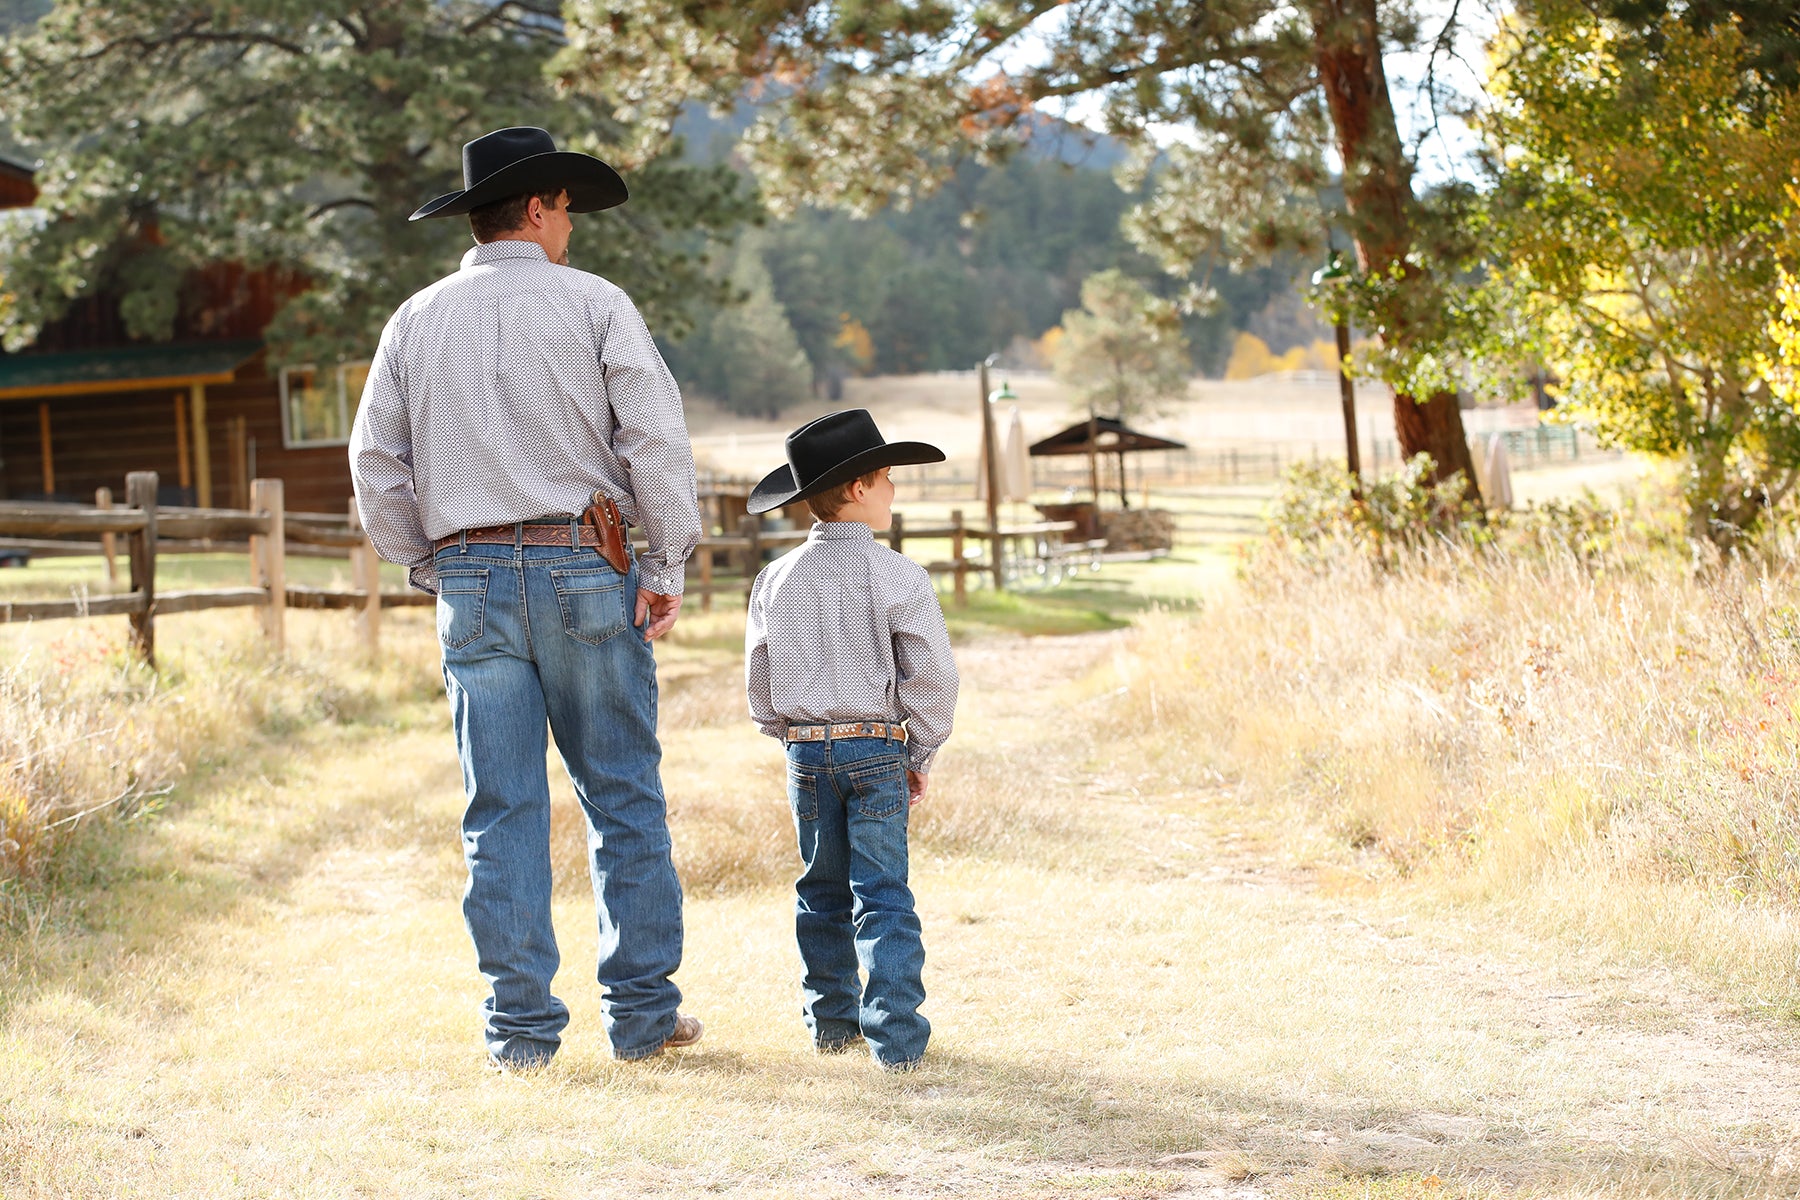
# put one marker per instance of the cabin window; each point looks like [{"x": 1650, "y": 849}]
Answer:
[{"x": 318, "y": 407}]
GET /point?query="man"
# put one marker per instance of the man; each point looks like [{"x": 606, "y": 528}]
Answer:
[{"x": 499, "y": 400}]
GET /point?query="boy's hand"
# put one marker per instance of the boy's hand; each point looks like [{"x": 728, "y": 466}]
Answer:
[{"x": 916, "y": 784}]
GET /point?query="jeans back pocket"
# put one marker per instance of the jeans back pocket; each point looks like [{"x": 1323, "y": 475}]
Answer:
[
  {"x": 879, "y": 786},
  {"x": 462, "y": 605},
  {"x": 803, "y": 790},
  {"x": 592, "y": 601}
]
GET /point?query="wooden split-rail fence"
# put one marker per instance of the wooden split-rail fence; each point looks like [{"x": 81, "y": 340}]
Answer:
[{"x": 148, "y": 530}]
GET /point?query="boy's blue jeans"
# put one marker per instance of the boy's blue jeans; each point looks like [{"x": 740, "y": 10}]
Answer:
[
  {"x": 853, "y": 906},
  {"x": 536, "y": 637}
]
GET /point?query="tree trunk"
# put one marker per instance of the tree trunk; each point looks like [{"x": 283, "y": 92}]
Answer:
[{"x": 1378, "y": 194}]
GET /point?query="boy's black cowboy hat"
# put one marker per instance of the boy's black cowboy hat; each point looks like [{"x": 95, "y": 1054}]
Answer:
[
  {"x": 834, "y": 449},
  {"x": 510, "y": 162}
]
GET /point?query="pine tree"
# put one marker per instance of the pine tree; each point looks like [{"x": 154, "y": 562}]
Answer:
[
  {"x": 272, "y": 132},
  {"x": 1122, "y": 351},
  {"x": 753, "y": 356}
]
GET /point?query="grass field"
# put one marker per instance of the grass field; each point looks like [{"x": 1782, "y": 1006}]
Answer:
[{"x": 1325, "y": 884}]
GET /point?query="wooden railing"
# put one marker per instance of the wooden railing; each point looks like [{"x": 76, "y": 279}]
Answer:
[
  {"x": 147, "y": 530},
  {"x": 268, "y": 534},
  {"x": 744, "y": 552}
]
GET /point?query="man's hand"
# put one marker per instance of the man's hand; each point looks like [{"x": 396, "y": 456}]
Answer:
[
  {"x": 916, "y": 783},
  {"x": 661, "y": 609}
]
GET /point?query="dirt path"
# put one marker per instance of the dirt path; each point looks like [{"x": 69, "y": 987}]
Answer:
[{"x": 1131, "y": 998}]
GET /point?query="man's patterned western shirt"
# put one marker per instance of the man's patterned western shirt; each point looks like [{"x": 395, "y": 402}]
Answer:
[
  {"x": 841, "y": 628},
  {"x": 512, "y": 390}
]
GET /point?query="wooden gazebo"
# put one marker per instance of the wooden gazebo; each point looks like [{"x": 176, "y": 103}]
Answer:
[{"x": 1102, "y": 435}]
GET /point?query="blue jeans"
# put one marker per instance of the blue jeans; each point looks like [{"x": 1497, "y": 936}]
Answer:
[
  {"x": 853, "y": 906},
  {"x": 536, "y": 637}
]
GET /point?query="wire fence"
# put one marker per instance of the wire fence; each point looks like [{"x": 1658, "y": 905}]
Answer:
[{"x": 1244, "y": 463}]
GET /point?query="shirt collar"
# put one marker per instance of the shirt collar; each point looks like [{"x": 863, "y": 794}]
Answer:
[
  {"x": 490, "y": 252},
  {"x": 842, "y": 529}
]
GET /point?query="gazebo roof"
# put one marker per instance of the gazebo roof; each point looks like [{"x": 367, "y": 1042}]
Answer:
[{"x": 1111, "y": 436}]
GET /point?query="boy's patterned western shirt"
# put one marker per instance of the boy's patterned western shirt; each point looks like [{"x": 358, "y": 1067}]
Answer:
[
  {"x": 842, "y": 628},
  {"x": 511, "y": 390}
]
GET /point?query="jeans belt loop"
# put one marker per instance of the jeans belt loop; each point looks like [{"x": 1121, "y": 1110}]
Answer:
[
  {"x": 519, "y": 537},
  {"x": 462, "y": 541},
  {"x": 575, "y": 532}
]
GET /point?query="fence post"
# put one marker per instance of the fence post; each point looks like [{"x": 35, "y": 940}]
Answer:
[
  {"x": 268, "y": 558},
  {"x": 140, "y": 550},
  {"x": 706, "y": 582},
  {"x": 365, "y": 577},
  {"x": 897, "y": 533},
  {"x": 751, "y": 528},
  {"x": 109, "y": 548},
  {"x": 956, "y": 556}
]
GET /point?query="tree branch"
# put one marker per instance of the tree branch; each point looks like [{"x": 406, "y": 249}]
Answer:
[
  {"x": 345, "y": 202},
  {"x": 193, "y": 33}
]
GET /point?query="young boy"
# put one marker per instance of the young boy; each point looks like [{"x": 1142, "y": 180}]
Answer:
[{"x": 848, "y": 663}]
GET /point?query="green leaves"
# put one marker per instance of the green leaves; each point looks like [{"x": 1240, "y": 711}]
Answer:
[
  {"x": 1638, "y": 217},
  {"x": 276, "y": 132}
]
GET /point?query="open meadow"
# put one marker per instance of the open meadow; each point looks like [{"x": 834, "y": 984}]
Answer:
[{"x": 1473, "y": 877}]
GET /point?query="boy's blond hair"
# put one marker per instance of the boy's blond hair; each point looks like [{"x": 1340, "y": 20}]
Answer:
[{"x": 829, "y": 503}]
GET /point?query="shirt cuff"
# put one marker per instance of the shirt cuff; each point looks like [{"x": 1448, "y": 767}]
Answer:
[
  {"x": 659, "y": 579},
  {"x": 918, "y": 758},
  {"x": 424, "y": 577}
]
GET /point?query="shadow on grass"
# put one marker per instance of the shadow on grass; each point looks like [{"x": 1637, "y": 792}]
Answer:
[{"x": 1024, "y": 1122}]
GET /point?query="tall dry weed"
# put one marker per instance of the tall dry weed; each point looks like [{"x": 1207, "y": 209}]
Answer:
[
  {"x": 1615, "y": 734},
  {"x": 89, "y": 737}
]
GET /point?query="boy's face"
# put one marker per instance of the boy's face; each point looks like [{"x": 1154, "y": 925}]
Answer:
[{"x": 873, "y": 505}]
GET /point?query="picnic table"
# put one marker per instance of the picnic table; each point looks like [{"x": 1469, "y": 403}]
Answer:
[{"x": 1039, "y": 551}]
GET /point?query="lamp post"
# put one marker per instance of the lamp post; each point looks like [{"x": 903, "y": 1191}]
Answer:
[
  {"x": 990, "y": 465},
  {"x": 1002, "y": 469},
  {"x": 1334, "y": 276}
]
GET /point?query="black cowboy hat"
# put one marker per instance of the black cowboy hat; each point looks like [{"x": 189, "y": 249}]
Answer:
[
  {"x": 511, "y": 162},
  {"x": 834, "y": 449}
]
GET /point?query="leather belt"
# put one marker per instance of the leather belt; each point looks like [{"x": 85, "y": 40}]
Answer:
[
  {"x": 527, "y": 533},
  {"x": 849, "y": 729}
]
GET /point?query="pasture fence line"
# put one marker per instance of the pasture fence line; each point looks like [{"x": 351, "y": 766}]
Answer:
[
  {"x": 267, "y": 534},
  {"x": 263, "y": 532},
  {"x": 1245, "y": 463}
]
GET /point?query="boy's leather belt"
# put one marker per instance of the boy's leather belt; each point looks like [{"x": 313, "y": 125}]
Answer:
[{"x": 849, "y": 729}]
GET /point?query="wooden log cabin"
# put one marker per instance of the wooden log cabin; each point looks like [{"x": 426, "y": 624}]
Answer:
[{"x": 207, "y": 410}]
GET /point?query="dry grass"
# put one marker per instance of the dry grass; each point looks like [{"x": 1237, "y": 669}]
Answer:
[
  {"x": 89, "y": 737},
  {"x": 1615, "y": 749},
  {"x": 1136, "y": 988}
]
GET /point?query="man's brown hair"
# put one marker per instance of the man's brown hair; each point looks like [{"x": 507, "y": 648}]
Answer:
[
  {"x": 507, "y": 216},
  {"x": 829, "y": 503}
]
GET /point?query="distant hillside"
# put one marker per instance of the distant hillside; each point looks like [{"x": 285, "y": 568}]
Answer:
[{"x": 986, "y": 265}]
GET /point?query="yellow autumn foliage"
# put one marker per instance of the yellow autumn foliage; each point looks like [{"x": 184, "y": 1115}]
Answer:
[
  {"x": 1251, "y": 358},
  {"x": 854, "y": 340}
]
